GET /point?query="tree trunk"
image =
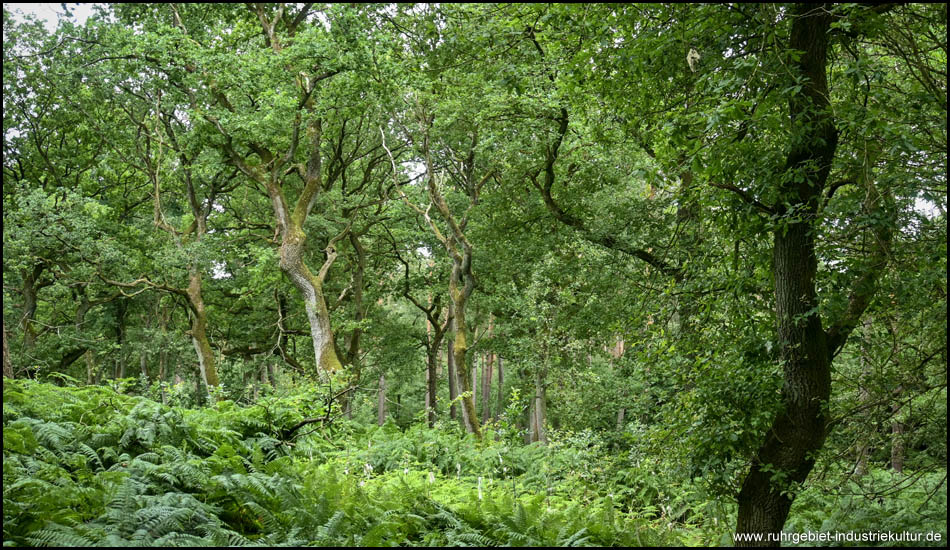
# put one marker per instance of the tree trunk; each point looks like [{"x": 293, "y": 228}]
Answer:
[
  {"x": 540, "y": 408},
  {"x": 270, "y": 371},
  {"x": 453, "y": 376},
  {"x": 352, "y": 355},
  {"x": 487, "y": 368},
  {"x": 163, "y": 316},
  {"x": 91, "y": 376},
  {"x": 381, "y": 401},
  {"x": 30, "y": 290},
  {"x": 7, "y": 364},
  {"x": 311, "y": 287},
  {"x": 864, "y": 397},
  {"x": 121, "y": 307},
  {"x": 199, "y": 331},
  {"x": 897, "y": 437},
  {"x": 500, "y": 408},
  {"x": 798, "y": 431},
  {"x": 788, "y": 454},
  {"x": 428, "y": 397},
  {"x": 432, "y": 361},
  {"x": 143, "y": 366},
  {"x": 460, "y": 349}
]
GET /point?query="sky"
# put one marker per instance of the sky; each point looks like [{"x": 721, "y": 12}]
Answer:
[{"x": 51, "y": 12}]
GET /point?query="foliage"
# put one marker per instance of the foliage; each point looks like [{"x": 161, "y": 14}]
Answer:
[{"x": 243, "y": 189}]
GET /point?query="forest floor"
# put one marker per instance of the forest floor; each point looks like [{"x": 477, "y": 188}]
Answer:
[{"x": 92, "y": 466}]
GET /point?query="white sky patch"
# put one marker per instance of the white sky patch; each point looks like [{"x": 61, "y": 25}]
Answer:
[
  {"x": 50, "y": 14},
  {"x": 927, "y": 208},
  {"x": 324, "y": 20},
  {"x": 219, "y": 270}
]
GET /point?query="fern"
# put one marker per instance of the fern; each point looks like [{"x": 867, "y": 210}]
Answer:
[
  {"x": 58, "y": 536},
  {"x": 578, "y": 538}
]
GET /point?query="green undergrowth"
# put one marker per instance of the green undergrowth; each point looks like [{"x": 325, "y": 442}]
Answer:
[
  {"x": 87, "y": 466},
  {"x": 90, "y": 466}
]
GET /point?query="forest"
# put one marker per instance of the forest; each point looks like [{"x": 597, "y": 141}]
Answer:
[{"x": 475, "y": 275}]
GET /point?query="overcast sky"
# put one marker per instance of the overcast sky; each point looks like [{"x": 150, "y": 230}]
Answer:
[{"x": 51, "y": 12}]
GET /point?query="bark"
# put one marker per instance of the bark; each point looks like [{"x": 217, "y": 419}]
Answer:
[
  {"x": 501, "y": 386},
  {"x": 270, "y": 373},
  {"x": 310, "y": 287},
  {"x": 199, "y": 332},
  {"x": 787, "y": 456},
  {"x": 475, "y": 380},
  {"x": 435, "y": 333},
  {"x": 290, "y": 222},
  {"x": 539, "y": 409},
  {"x": 487, "y": 368},
  {"x": 282, "y": 332},
  {"x": 428, "y": 396},
  {"x": 30, "y": 290},
  {"x": 381, "y": 401},
  {"x": 7, "y": 363},
  {"x": 460, "y": 350},
  {"x": 432, "y": 377},
  {"x": 121, "y": 308},
  {"x": 163, "y": 352},
  {"x": 453, "y": 377},
  {"x": 91, "y": 374},
  {"x": 143, "y": 366}
]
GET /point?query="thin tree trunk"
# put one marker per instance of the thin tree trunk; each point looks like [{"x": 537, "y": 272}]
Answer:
[
  {"x": 352, "y": 357},
  {"x": 864, "y": 396},
  {"x": 897, "y": 437},
  {"x": 453, "y": 376},
  {"x": 431, "y": 379},
  {"x": 91, "y": 377},
  {"x": 487, "y": 367},
  {"x": 381, "y": 401},
  {"x": 121, "y": 308},
  {"x": 501, "y": 390},
  {"x": 143, "y": 366},
  {"x": 163, "y": 317},
  {"x": 540, "y": 407},
  {"x": 475, "y": 381},
  {"x": 428, "y": 397},
  {"x": 271, "y": 373},
  {"x": 7, "y": 364}
]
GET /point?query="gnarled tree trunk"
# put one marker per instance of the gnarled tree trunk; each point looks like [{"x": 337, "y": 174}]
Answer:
[
  {"x": 199, "y": 331},
  {"x": 798, "y": 431}
]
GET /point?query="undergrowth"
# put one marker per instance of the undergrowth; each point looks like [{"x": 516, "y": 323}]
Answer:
[{"x": 88, "y": 466}]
